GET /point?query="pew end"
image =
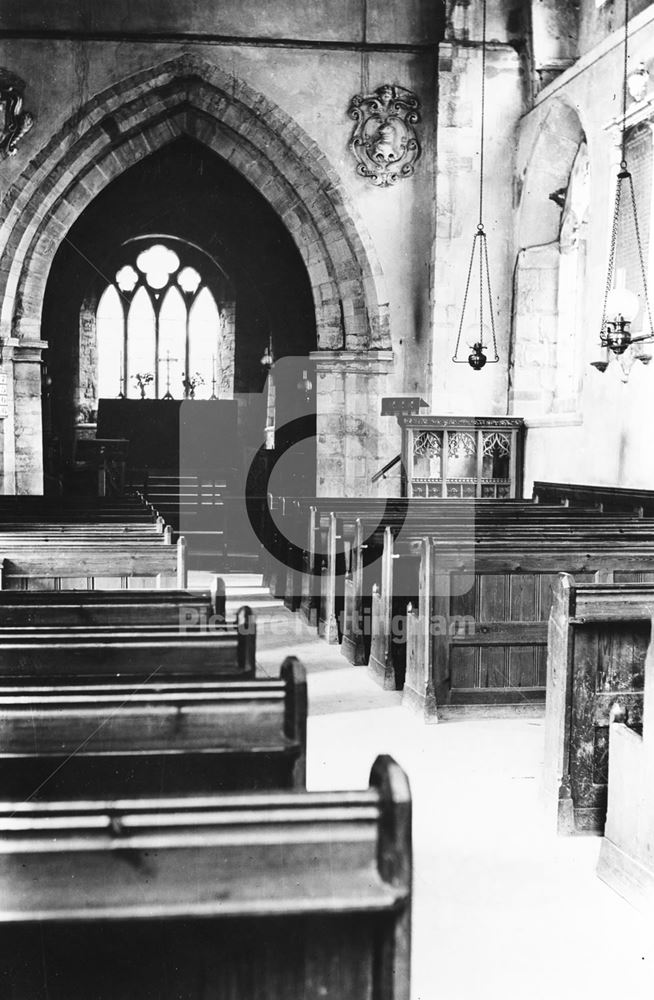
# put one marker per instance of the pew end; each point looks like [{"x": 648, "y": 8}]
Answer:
[
  {"x": 626, "y": 861},
  {"x": 294, "y": 675},
  {"x": 599, "y": 633},
  {"x": 246, "y": 627},
  {"x": 182, "y": 563},
  {"x": 218, "y": 598}
]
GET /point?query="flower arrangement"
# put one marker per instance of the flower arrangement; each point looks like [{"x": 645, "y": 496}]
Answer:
[
  {"x": 143, "y": 381},
  {"x": 191, "y": 382}
]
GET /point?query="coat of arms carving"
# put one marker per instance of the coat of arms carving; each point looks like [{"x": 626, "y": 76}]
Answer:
[
  {"x": 14, "y": 122},
  {"x": 384, "y": 140}
]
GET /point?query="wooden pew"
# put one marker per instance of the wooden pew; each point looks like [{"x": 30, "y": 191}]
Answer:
[
  {"x": 36, "y": 526},
  {"x": 37, "y": 567},
  {"x": 597, "y": 640},
  {"x": 108, "y": 608},
  {"x": 378, "y": 586},
  {"x": 299, "y": 529},
  {"x": 276, "y": 895},
  {"x": 626, "y": 860},
  {"x": 117, "y": 535},
  {"x": 607, "y": 498},
  {"x": 157, "y": 739},
  {"x": 130, "y": 656},
  {"x": 81, "y": 510},
  {"x": 343, "y": 548},
  {"x": 479, "y": 633}
]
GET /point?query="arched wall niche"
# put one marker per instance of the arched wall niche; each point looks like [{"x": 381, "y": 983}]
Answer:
[
  {"x": 544, "y": 365},
  {"x": 132, "y": 119}
]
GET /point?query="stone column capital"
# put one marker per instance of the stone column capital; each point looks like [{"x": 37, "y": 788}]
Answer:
[
  {"x": 352, "y": 362},
  {"x": 15, "y": 349}
]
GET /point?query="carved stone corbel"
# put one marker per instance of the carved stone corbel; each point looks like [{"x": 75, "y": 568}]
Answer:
[{"x": 14, "y": 121}]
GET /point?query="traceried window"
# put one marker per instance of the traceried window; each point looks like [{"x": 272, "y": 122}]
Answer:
[{"x": 159, "y": 327}]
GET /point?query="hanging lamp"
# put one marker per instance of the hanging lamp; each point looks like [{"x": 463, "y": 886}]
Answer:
[
  {"x": 478, "y": 356},
  {"x": 621, "y": 304}
]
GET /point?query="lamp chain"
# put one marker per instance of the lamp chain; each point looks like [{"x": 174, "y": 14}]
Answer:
[
  {"x": 625, "y": 175},
  {"x": 623, "y": 162},
  {"x": 483, "y": 118},
  {"x": 480, "y": 243},
  {"x": 614, "y": 243}
]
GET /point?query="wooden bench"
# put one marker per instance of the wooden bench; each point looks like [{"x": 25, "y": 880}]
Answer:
[
  {"x": 331, "y": 528},
  {"x": 298, "y": 529},
  {"x": 108, "y": 608},
  {"x": 154, "y": 525},
  {"x": 41, "y": 537},
  {"x": 82, "y": 509},
  {"x": 157, "y": 739},
  {"x": 626, "y": 860},
  {"x": 130, "y": 655},
  {"x": 606, "y": 498},
  {"x": 381, "y": 575},
  {"x": 277, "y": 895},
  {"x": 38, "y": 567},
  {"x": 597, "y": 642},
  {"x": 193, "y": 503},
  {"x": 478, "y": 635}
]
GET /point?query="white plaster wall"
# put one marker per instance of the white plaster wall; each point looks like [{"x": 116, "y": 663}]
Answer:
[
  {"x": 457, "y": 388},
  {"x": 610, "y": 440}
]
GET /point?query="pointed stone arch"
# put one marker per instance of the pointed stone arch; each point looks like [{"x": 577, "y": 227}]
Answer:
[{"x": 188, "y": 96}]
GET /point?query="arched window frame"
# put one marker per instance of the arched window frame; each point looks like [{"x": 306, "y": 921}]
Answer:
[{"x": 212, "y": 279}]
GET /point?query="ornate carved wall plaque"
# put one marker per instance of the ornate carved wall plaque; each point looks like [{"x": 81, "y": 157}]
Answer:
[
  {"x": 14, "y": 122},
  {"x": 384, "y": 140}
]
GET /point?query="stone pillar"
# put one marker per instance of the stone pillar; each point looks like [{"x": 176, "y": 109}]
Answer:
[
  {"x": 23, "y": 432},
  {"x": 354, "y": 440},
  {"x": 226, "y": 350},
  {"x": 86, "y": 401}
]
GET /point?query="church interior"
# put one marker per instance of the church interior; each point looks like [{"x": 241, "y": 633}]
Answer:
[{"x": 327, "y": 500}]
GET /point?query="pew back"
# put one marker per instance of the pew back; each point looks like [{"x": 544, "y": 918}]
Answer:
[
  {"x": 239, "y": 896},
  {"x": 82, "y": 564},
  {"x": 157, "y": 739}
]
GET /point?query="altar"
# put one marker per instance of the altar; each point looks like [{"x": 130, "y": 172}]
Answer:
[{"x": 184, "y": 435}]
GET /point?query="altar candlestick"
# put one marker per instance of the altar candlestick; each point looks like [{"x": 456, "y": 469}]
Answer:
[
  {"x": 213, "y": 377},
  {"x": 121, "y": 377}
]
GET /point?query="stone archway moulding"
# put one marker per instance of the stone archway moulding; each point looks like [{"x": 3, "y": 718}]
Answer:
[
  {"x": 547, "y": 171},
  {"x": 536, "y": 353},
  {"x": 188, "y": 96},
  {"x": 119, "y": 127}
]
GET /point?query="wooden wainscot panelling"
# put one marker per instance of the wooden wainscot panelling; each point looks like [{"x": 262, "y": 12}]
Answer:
[{"x": 598, "y": 638}]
